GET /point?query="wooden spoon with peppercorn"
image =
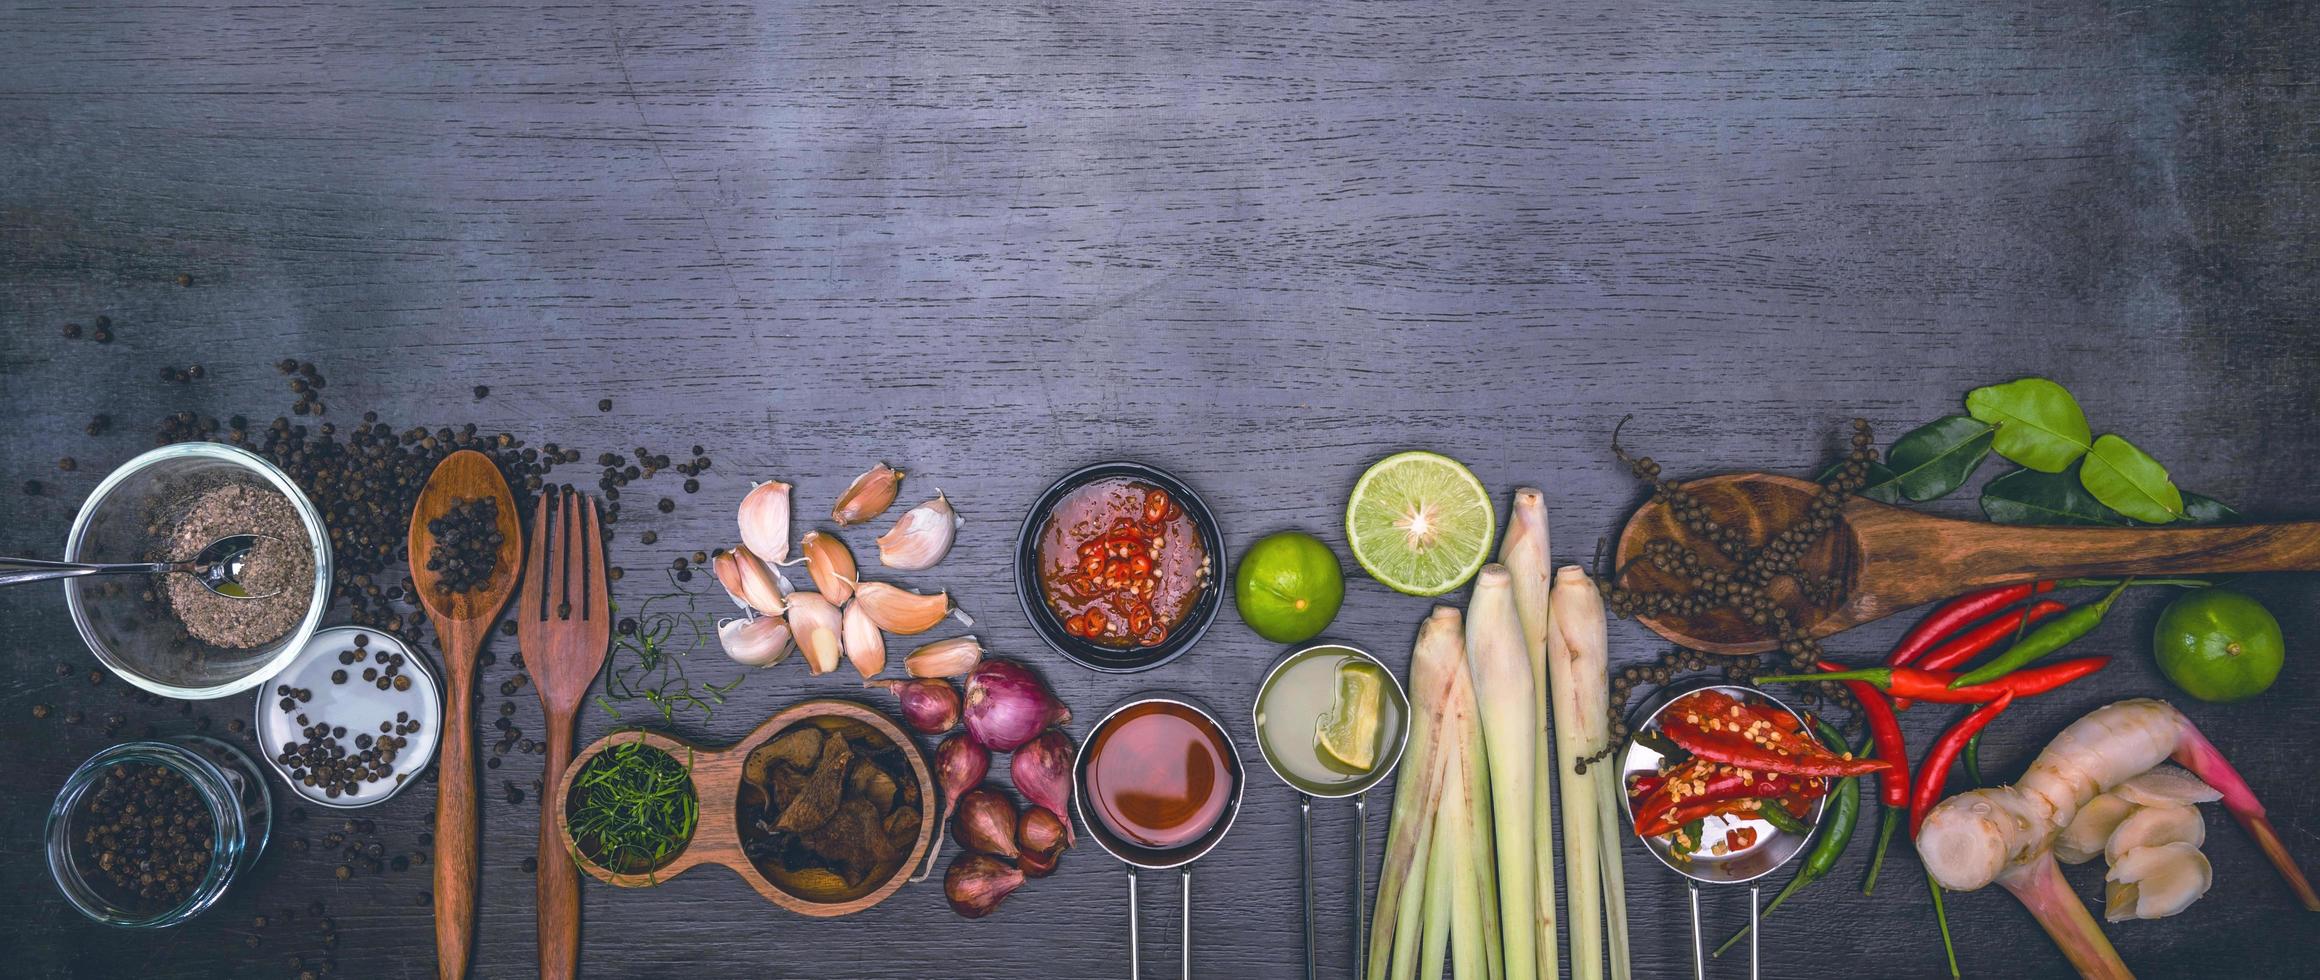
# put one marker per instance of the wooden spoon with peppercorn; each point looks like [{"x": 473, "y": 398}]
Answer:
[
  {"x": 1862, "y": 560},
  {"x": 464, "y": 542}
]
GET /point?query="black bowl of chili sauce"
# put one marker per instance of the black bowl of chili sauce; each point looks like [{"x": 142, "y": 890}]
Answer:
[{"x": 1080, "y": 580}]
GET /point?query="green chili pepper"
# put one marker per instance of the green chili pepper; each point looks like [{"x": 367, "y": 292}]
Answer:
[
  {"x": 1885, "y": 827},
  {"x": 1973, "y": 760},
  {"x": 2050, "y": 636},
  {"x": 1775, "y": 814},
  {"x": 1844, "y": 814}
]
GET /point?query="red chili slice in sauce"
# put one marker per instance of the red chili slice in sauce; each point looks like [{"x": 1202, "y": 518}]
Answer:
[{"x": 1121, "y": 563}]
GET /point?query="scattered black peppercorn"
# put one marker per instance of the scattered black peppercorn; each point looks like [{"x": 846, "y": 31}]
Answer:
[
  {"x": 482, "y": 392},
  {"x": 604, "y": 405}
]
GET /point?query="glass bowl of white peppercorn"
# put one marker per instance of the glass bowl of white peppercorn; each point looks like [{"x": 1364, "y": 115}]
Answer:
[
  {"x": 168, "y": 633},
  {"x": 149, "y": 834}
]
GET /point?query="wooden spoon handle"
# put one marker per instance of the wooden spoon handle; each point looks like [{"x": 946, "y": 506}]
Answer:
[
  {"x": 1991, "y": 554},
  {"x": 559, "y": 885},
  {"x": 455, "y": 821}
]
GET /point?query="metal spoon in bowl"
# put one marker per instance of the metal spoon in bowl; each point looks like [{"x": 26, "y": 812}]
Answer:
[{"x": 219, "y": 567}]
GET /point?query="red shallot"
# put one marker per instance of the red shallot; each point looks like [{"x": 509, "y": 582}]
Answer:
[
  {"x": 1008, "y": 706},
  {"x": 959, "y": 765},
  {"x": 1042, "y": 836},
  {"x": 977, "y": 883},
  {"x": 930, "y": 705},
  {"x": 1041, "y": 770},
  {"x": 986, "y": 823}
]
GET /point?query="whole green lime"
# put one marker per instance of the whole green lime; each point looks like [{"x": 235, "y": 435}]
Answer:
[
  {"x": 2219, "y": 645},
  {"x": 1289, "y": 586}
]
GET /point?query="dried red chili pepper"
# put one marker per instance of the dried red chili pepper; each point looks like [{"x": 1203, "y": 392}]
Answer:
[
  {"x": 1696, "y": 787},
  {"x": 1720, "y": 728},
  {"x": 1933, "y": 773},
  {"x": 1933, "y": 685},
  {"x": 1955, "y": 614},
  {"x": 1974, "y": 642}
]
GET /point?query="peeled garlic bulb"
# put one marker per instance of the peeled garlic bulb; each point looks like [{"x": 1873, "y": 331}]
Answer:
[
  {"x": 830, "y": 564},
  {"x": 865, "y": 646},
  {"x": 765, "y": 521},
  {"x": 817, "y": 626},
  {"x": 2083, "y": 839},
  {"x": 2156, "y": 882},
  {"x": 953, "y": 657},
  {"x": 2166, "y": 784},
  {"x": 899, "y": 610},
  {"x": 2152, "y": 826},
  {"x": 750, "y": 581},
  {"x": 868, "y": 496},
  {"x": 759, "y": 642},
  {"x": 922, "y": 537}
]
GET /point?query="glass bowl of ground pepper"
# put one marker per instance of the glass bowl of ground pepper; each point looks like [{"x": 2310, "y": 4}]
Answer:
[
  {"x": 167, "y": 633},
  {"x": 149, "y": 834}
]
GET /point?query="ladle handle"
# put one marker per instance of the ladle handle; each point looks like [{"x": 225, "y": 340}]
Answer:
[
  {"x": 1754, "y": 919},
  {"x": 1135, "y": 957},
  {"x": 1305, "y": 878},
  {"x": 18, "y": 571},
  {"x": 1699, "y": 957},
  {"x": 1972, "y": 554},
  {"x": 1186, "y": 875},
  {"x": 1360, "y": 884}
]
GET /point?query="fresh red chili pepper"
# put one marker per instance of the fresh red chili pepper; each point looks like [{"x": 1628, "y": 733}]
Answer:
[
  {"x": 1644, "y": 784},
  {"x": 1955, "y": 614},
  {"x": 1972, "y": 643},
  {"x": 1933, "y": 685},
  {"x": 1744, "y": 740},
  {"x": 1698, "y": 782},
  {"x": 1933, "y": 773},
  {"x": 1885, "y": 734}
]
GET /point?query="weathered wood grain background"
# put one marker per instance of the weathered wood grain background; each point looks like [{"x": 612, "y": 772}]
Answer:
[{"x": 1260, "y": 244}]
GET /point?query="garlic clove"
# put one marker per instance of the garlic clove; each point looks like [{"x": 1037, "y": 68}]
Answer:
[
  {"x": 2082, "y": 840},
  {"x": 818, "y": 628},
  {"x": 922, "y": 537},
  {"x": 727, "y": 565},
  {"x": 2152, "y": 826},
  {"x": 2156, "y": 882},
  {"x": 759, "y": 642},
  {"x": 954, "y": 657},
  {"x": 760, "y": 588},
  {"x": 865, "y": 645},
  {"x": 830, "y": 564},
  {"x": 901, "y": 611},
  {"x": 868, "y": 496},
  {"x": 2165, "y": 784},
  {"x": 765, "y": 521}
]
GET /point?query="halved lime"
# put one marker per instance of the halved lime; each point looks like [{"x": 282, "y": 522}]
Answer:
[
  {"x": 1420, "y": 523},
  {"x": 1346, "y": 735}
]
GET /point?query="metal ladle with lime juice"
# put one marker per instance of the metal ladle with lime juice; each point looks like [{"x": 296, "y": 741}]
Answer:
[{"x": 1294, "y": 706}]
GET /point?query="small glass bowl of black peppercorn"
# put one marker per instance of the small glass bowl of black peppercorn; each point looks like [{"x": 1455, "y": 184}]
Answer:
[{"x": 147, "y": 835}]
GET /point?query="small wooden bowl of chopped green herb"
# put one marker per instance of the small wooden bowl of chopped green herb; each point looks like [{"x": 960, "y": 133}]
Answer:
[{"x": 825, "y": 808}]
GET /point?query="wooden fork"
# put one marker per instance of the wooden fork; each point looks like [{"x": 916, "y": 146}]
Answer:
[{"x": 564, "y": 626}]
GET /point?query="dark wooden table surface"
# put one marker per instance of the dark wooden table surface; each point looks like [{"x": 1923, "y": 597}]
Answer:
[{"x": 1261, "y": 244}]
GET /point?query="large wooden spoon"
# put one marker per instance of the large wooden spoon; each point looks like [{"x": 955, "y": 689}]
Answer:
[
  {"x": 462, "y": 620},
  {"x": 1890, "y": 558}
]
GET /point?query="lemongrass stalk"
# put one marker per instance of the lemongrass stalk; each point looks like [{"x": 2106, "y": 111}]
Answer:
[
  {"x": 1524, "y": 553},
  {"x": 1439, "y": 654},
  {"x": 1614, "y": 874},
  {"x": 1578, "y": 676},
  {"x": 1501, "y": 667},
  {"x": 1441, "y": 877},
  {"x": 1485, "y": 855},
  {"x": 1455, "y": 829}
]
